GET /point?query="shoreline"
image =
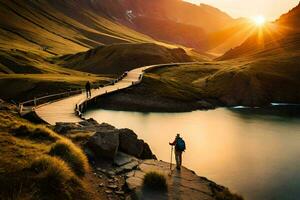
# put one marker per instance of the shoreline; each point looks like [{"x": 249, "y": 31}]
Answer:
[
  {"x": 134, "y": 170},
  {"x": 124, "y": 101}
]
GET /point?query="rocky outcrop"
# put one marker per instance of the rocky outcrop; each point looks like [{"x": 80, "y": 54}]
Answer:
[
  {"x": 106, "y": 140},
  {"x": 104, "y": 144},
  {"x": 124, "y": 167},
  {"x": 63, "y": 128},
  {"x": 184, "y": 184},
  {"x": 130, "y": 144}
]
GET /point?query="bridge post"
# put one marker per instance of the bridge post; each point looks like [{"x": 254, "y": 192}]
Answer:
[
  {"x": 34, "y": 101},
  {"x": 20, "y": 108}
]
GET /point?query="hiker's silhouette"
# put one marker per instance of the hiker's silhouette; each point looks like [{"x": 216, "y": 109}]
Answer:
[
  {"x": 88, "y": 89},
  {"x": 179, "y": 148}
]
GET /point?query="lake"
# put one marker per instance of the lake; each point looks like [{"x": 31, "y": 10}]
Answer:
[{"x": 254, "y": 152}]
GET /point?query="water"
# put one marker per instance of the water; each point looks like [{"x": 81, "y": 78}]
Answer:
[{"x": 254, "y": 152}]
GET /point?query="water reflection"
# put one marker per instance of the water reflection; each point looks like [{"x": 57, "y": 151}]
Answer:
[{"x": 254, "y": 152}]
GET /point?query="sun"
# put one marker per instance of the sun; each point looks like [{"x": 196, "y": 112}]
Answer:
[{"x": 259, "y": 20}]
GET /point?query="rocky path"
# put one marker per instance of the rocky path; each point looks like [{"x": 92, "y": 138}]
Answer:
[{"x": 184, "y": 184}]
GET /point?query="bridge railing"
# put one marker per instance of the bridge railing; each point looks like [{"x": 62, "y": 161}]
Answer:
[
  {"x": 81, "y": 106},
  {"x": 32, "y": 104},
  {"x": 37, "y": 101}
]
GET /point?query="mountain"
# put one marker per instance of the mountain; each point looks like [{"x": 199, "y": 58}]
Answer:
[{"x": 178, "y": 22}]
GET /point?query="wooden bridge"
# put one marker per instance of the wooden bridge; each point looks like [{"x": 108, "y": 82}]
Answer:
[{"x": 74, "y": 103}]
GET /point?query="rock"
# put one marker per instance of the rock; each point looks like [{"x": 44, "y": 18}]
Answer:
[
  {"x": 127, "y": 167},
  {"x": 104, "y": 144},
  {"x": 105, "y": 127},
  {"x": 89, "y": 122},
  {"x": 63, "y": 128},
  {"x": 108, "y": 191},
  {"x": 101, "y": 185},
  {"x": 89, "y": 154},
  {"x": 112, "y": 186},
  {"x": 122, "y": 159},
  {"x": 205, "y": 105},
  {"x": 120, "y": 192},
  {"x": 185, "y": 182},
  {"x": 133, "y": 182},
  {"x": 111, "y": 174},
  {"x": 147, "y": 153},
  {"x": 129, "y": 143},
  {"x": 110, "y": 180}
]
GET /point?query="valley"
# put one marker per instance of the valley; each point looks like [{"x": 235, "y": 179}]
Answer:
[{"x": 229, "y": 85}]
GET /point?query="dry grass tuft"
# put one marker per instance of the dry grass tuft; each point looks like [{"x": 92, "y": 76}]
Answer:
[
  {"x": 72, "y": 155},
  {"x": 35, "y": 132},
  {"x": 155, "y": 181},
  {"x": 22, "y": 176},
  {"x": 54, "y": 179}
]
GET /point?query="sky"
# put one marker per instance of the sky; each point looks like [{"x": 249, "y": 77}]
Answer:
[{"x": 270, "y": 9}]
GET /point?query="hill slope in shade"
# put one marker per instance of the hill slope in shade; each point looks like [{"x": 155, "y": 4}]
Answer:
[
  {"x": 117, "y": 58},
  {"x": 178, "y": 22}
]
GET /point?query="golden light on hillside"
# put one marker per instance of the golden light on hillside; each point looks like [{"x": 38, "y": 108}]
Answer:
[{"x": 259, "y": 20}]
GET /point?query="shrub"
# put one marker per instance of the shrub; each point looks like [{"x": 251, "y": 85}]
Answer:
[
  {"x": 35, "y": 132},
  {"x": 72, "y": 155},
  {"x": 54, "y": 179},
  {"x": 155, "y": 181}
]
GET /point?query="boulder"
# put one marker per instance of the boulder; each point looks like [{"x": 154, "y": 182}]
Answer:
[
  {"x": 105, "y": 127},
  {"x": 89, "y": 123},
  {"x": 63, "y": 128},
  {"x": 104, "y": 144},
  {"x": 89, "y": 154},
  {"x": 122, "y": 159},
  {"x": 147, "y": 153},
  {"x": 130, "y": 144},
  {"x": 205, "y": 105}
]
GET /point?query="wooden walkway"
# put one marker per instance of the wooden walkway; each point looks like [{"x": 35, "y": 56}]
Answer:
[{"x": 64, "y": 110}]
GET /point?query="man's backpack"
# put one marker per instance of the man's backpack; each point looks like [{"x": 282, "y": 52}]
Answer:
[{"x": 180, "y": 144}]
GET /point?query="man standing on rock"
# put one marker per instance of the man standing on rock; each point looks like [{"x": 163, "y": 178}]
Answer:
[
  {"x": 88, "y": 89},
  {"x": 179, "y": 148}
]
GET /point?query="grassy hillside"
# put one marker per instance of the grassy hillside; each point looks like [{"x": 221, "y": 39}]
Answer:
[
  {"x": 210, "y": 84},
  {"x": 39, "y": 32},
  {"x": 28, "y": 167},
  {"x": 114, "y": 59}
]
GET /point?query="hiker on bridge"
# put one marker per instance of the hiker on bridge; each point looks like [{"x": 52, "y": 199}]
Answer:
[
  {"x": 179, "y": 148},
  {"x": 88, "y": 89}
]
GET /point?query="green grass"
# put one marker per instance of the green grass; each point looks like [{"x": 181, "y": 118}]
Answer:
[
  {"x": 28, "y": 170},
  {"x": 155, "y": 181}
]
